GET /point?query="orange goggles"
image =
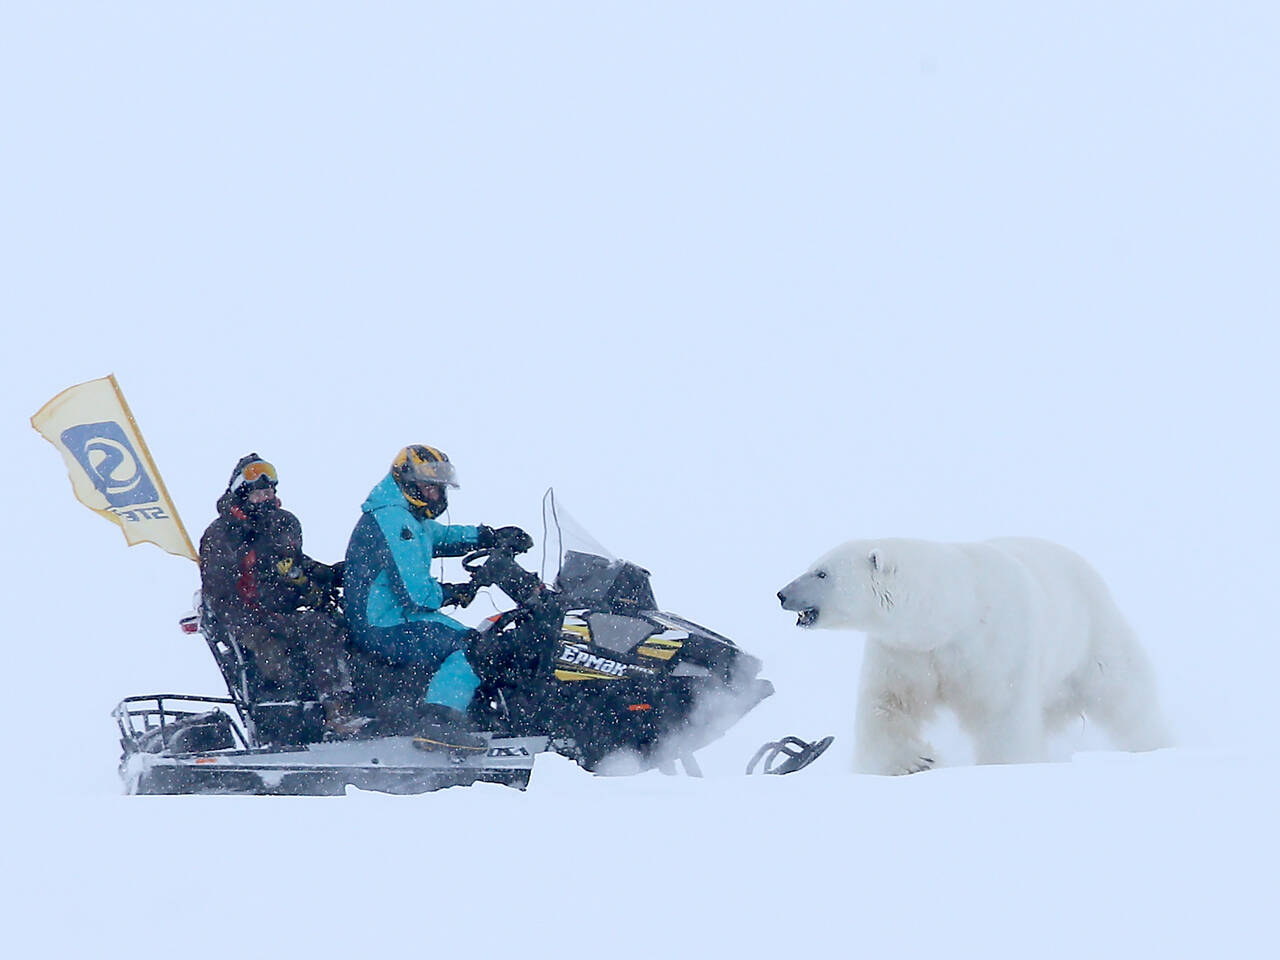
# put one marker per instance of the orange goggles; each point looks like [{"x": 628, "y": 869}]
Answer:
[{"x": 255, "y": 472}]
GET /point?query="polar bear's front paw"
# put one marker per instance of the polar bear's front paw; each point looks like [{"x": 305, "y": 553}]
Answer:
[
  {"x": 913, "y": 757},
  {"x": 918, "y": 765}
]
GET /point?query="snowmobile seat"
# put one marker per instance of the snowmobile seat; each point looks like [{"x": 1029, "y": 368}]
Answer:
[{"x": 274, "y": 715}]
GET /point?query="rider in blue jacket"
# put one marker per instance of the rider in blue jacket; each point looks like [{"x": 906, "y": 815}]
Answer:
[{"x": 393, "y": 601}]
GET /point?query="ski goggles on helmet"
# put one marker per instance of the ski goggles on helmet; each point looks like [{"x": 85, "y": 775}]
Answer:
[{"x": 254, "y": 472}]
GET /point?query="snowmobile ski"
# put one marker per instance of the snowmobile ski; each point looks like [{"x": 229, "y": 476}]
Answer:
[{"x": 799, "y": 754}]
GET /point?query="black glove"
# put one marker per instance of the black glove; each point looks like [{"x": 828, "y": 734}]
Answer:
[
  {"x": 457, "y": 594},
  {"x": 504, "y": 538}
]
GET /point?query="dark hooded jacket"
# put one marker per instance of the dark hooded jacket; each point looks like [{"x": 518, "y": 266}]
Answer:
[{"x": 251, "y": 562}]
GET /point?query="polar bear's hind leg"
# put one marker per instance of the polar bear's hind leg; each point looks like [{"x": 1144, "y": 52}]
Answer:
[
  {"x": 1120, "y": 691},
  {"x": 1013, "y": 734}
]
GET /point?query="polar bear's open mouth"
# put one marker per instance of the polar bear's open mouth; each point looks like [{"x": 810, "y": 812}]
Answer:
[{"x": 808, "y": 617}]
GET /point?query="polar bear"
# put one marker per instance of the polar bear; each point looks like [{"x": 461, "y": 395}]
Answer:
[{"x": 1016, "y": 636}]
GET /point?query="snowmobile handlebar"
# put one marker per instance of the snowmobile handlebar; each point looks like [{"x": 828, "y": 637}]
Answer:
[{"x": 497, "y": 567}]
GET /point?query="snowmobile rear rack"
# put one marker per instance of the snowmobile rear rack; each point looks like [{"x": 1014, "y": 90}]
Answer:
[{"x": 147, "y": 722}]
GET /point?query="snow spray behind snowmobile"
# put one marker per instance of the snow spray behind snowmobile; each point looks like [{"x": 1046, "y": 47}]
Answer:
[{"x": 586, "y": 666}]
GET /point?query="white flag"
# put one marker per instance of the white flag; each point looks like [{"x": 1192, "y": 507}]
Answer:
[{"x": 111, "y": 470}]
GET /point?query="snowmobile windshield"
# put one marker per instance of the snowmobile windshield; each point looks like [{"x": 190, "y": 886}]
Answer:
[
  {"x": 577, "y": 565},
  {"x": 564, "y": 535}
]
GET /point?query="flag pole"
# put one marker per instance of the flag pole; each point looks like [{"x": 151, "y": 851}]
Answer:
[{"x": 151, "y": 464}]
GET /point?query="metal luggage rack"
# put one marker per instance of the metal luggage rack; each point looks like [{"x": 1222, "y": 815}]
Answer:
[{"x": 153, "y": 713}]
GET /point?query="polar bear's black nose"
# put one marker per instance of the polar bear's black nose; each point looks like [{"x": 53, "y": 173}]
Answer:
[{"x": 782, "y": 597}]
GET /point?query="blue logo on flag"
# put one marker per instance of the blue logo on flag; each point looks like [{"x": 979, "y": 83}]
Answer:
[{"x": 111, "y": 463}]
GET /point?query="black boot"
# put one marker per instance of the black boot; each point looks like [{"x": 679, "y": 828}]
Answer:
[
  {"x": 444, "y": 728},
  {"x": 340, "y": 721}
]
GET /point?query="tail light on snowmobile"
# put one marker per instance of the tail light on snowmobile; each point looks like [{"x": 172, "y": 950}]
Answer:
[{"x": 190, "y": 621}]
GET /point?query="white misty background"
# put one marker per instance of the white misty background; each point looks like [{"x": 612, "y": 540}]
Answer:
[{"x": 739, "y": 280}]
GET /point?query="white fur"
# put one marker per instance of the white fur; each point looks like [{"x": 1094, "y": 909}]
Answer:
[{"x": 1016, "y": 636}]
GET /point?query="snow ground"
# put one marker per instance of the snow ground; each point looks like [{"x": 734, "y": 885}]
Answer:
[
  {"x": 741, "y": 280},
  {"x": 1170, "y": 854}
]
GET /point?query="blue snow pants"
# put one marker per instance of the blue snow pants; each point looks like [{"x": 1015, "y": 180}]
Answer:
[{"x": 435, "y": 649}]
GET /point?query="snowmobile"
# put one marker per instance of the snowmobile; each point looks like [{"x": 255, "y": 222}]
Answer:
[{"x": 587, "y": 667}]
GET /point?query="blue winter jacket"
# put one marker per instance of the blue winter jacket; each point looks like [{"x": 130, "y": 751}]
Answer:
[{"x": 387, "y": 580}]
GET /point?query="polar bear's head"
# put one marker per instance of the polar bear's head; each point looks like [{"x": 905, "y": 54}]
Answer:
[
  {"x": 881, "y": 587},
  {"x": 851, "y": 587}
]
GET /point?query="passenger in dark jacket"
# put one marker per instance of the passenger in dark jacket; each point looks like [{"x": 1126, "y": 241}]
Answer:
[{"x": 272, "y": 598}]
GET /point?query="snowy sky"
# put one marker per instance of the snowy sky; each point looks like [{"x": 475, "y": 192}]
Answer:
[{"x": 740, "y": 280}]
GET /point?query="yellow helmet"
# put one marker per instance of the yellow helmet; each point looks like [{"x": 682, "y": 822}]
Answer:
[{"x": 423, "y": 475}]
